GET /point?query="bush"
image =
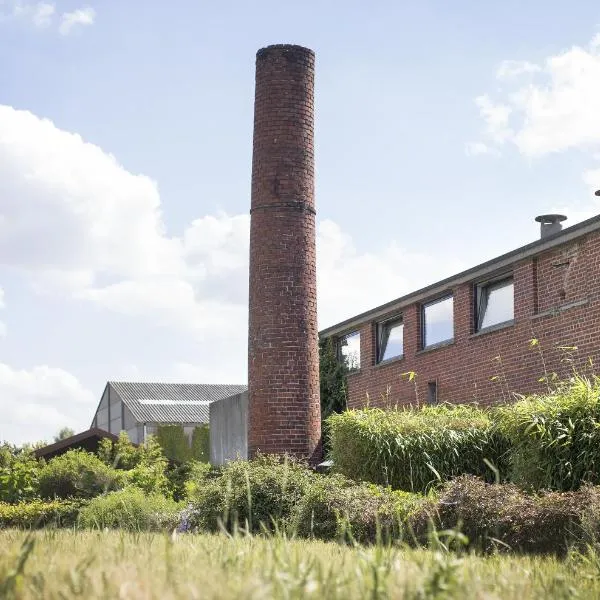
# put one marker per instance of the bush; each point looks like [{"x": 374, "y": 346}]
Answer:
[
  {"x": 37, "y": 513},
  {"x": 77, "y": 474},
  {"x": 555, "y": 438},
  {"x": 196, "y": 476},
  {"x": 410, "y": 449},
  {"x": 335, "y": 507},
  {"x": 503, "y": 516},
  {"x": 130, "y": 509},
  {"x": 260, "y": 494},
  {"x": 19, "y": 478}
]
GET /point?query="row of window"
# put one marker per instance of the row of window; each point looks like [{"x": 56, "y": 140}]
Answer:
[{"x": 493, "y": 304}]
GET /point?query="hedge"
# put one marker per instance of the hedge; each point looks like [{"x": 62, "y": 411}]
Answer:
[
  {"x": 413, "y": 449},
  {"x": 555, "y": 438},
  {"x": 273, "y": 493},
  {"x": 38, "y": 513},
  {"x": 77, "y": 474},
  {"x": 130, "y": 509},
  {"x": 503, "y": 517}
]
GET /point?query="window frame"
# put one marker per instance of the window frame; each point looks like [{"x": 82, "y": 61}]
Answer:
[
  {"x": 423, "y": 323},
  {"x": 339, "y": 344},
  {"x": 481, "y": 288},
  {"x": 380, "y": 326}
]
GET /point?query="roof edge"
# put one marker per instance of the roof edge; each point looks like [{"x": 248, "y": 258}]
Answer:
[{"x": 488, "y": 267}]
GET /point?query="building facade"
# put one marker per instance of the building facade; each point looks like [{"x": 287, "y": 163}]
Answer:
[
  {"x": 140, "y": 408},
  {"x": 507, "y": 326}
]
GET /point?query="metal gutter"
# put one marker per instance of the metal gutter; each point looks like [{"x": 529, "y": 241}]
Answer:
[{"x": 496, "y": 264}]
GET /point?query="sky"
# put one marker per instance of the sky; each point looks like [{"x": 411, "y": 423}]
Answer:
[{"x": 442, "y": 130}]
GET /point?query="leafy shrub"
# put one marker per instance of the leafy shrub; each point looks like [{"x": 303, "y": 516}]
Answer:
[
  {"x": 145, "y": 465},
  {"x": 255, "y": 495},
  {"x": 335, "y": 507},
  {"x": 77, "y": 474},
  {"x": 130, "y": 509},
  {"x": 122, "y": 454},
  {"x": 410, "y": 449},
  {"x": 19, "y": 478},
  {"x": 196, "y": 476},
  {"x": 503, "y": 516},
  {"x": 555, "y": 438},
  {"x": 37, "y": 513}
]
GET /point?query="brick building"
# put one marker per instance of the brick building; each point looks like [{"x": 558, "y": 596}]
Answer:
[{"x": 468, "y": 338}]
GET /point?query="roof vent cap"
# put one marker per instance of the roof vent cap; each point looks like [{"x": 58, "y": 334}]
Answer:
[{"x": 550, "y": 224}]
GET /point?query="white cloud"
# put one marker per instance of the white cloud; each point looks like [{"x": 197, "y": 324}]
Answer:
[
  {"x": 496, "y": 118},
  {"x": 479, "y": 149},
  {"x": 350, "y": 281},
  {"x": 37, "y": 402},
  {"x": 78, "y": 18},
  {"x": 40, "y": 14},
  {"x": 510, "y": 69},
  {"x": 555, "y": 111},
  {"x": 80, "y": 225}
]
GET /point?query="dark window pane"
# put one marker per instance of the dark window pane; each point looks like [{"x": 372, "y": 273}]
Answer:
[
  {"x": 391, "y": 340},
  {"x": 438, "y": 323},
  {"x": 496, "y": 304}
]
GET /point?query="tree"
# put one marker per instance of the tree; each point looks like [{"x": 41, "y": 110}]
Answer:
[
  {"x": 332, "y": 376},
  {"x": 332, "y": 383},
  {"x": 63, "y": 434}
]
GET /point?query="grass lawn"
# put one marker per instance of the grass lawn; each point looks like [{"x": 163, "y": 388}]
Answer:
[{"x": 75, "y": 564}]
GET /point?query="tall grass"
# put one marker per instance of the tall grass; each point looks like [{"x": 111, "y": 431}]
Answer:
[
  {"x": 413, "y": 449},
  {"x": 93, "y": 565},
  {"x": 555, "y": 437}
]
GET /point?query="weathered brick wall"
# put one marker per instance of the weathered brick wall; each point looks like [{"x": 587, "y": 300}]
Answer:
[
  {"x": 556, "y": 301},
  {"x": 283, "y": 357}
]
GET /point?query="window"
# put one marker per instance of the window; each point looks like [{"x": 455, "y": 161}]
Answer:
[
  {"x": 349, "y": 350},
  {"x": 437, "y": 322},
  {"x": 495, "y": 303},
  {"x": 390, "y": 339},
  {"x": 432, "y": 392}
]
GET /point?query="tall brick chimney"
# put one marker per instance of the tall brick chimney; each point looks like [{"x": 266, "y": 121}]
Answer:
[{"x": 283, "y": 358}]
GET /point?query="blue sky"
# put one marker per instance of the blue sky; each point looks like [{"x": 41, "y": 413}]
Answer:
[{"x": 442, "y": 130}]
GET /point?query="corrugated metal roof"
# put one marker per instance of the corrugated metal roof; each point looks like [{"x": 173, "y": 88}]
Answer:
[{"x": 171, "y": 402}]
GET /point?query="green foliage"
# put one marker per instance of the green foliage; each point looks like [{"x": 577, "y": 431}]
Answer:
[
  {"x": 18, "y": 477},
  {"x": 130, "y": 509},
  {"x": 150, "y": 471},
  {"x": 334, "y": 507},
  {"x": 332, "y": 378},
  {"x": 201, "y": 443},
  {"x": 196, "y": 474},
  {"x": 122, "y": 454},
  {"x": 64, "y": 433},
  {"x": 77, "y": 474},
  {"x": 504, "y": 517},
  {"x": 174, "y": 442},
  {"x": 555, "y": 437},
  {"x": 333, "y": 386},
  {"x": 144, "y": 466},
  {"x": 249, "y": 495},
  {"x": 39, "y": 513},
  {"x": 412, "y": 449},
  {"x": 272, "y": 493}
]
